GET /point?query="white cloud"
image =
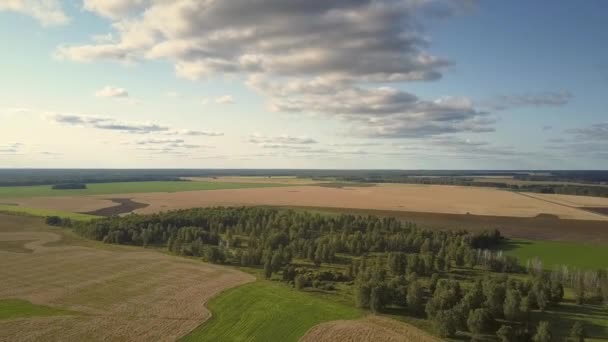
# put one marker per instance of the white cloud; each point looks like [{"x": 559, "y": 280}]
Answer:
[
  {"x": 105, "y": 123},
  {"x": 10, "y": 148},
  {"x": 112, "y": 8},
  {"x": 112, "y": 92},
  {"x": 47, "y": 12},
  {"x": 282, "y": 139},
  {"x": 190, "y": 132},
  {"x": 331, "y": 57},
  {"x": 226, "y": 99}
]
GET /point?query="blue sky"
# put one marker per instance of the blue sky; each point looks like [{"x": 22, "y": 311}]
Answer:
[{"x": 405, "y": 84}]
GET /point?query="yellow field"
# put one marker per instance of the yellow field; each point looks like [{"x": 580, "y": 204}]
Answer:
[
  {"x": 119, "y": 293},
  {"x": 396, "y": 197},
  {"x": 371, "y": 328}
]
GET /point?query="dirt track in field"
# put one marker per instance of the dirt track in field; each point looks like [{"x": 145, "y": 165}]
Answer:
[
  {"x": 371, "y": 328},
  {"x": 122, "y": 294}
]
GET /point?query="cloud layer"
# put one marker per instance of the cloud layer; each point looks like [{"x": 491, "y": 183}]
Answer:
[{"x": 300, "y": 54}]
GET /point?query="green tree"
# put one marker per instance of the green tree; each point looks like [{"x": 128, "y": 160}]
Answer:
[
  {"x": 512, "y": 305},
  {"x": 578, "y": 333},
  {"x": 376, "y": 298},
  {"x": 362, "y": 295},
  {"x": 267, "y": 269},
  {"x": 543, "y": 332},
  {"x": 300, "y": 282},
  {"x": 414, "y": 297},
  {"x": 446, "y": 323},
  {"x": 479, "y": 321},
  {"x": 505, "y": 333}
]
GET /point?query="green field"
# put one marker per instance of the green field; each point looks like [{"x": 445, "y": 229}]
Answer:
[
  {"x": 17, "y": 308},
  {"x": 267, "y": 311},
  {"x": 13, "y": 209},
  {"x": 553, "y": 253},
  {"x": 125, "y": 187}
]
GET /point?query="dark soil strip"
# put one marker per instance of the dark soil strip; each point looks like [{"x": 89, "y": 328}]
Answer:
[
  {"x": 541, "y": 227},
  {"x": 597, "y": 210},
  {"x": 126, "y": 205}
]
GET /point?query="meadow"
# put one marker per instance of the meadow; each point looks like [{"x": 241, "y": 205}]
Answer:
[
  {"x": 37, "y": 212},
  {"x": 267, "y": 311},
  {"x": 556, "y": 253},
  {"x": 124, "y": 188}
]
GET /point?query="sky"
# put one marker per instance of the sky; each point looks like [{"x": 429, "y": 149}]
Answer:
[{"x": 337, "y": 84}]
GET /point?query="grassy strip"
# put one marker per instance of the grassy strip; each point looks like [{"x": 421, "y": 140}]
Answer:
[
  {"x": 267, "y": 311},
  {"x": 17, "y": 308},
  {"x": 554, "y": 253},
  {"x": 17, "y": 210},
  {"x": 125, "y": 187}
]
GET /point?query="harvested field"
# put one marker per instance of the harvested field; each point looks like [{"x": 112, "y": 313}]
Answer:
[
  {"x": 571, "y": 200},
  {"x": 119, "y": 293},
  {"x": 395, "y": 197},
  {"x": 370, "y": 328},
  {"x": 543, "y": 227},
  {"x": 125, "y": 205}
]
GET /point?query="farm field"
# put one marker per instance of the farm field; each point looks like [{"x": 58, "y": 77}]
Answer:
[
  {"x": 513, "y": 181},
  {"x": 111, "y": 292},
  {"x": 14, "y": 209},
  {"x": 370, "y": 328},
  {"x": 124, "y": 187},
  {"x": 267, "y": 311},
  {"x": 553, "y": 253},
  {"x": 396, "y": 197}
]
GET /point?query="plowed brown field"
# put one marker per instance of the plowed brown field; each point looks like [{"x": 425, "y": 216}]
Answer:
[
  {"x": 371, "y": 328},
  {"x": 122, "y": 294}
]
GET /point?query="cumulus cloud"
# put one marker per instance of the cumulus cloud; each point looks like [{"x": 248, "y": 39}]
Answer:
[
  {"x": 331, "y": 57},
  {"x": 303, "y": 37},
  {"x": 105, "y": 123},
  {"x": 47, "y": 12},
  {"x": 112, "y": 92},
  {"x": 544, "y": 99},
  {"x": 383, "y": 112}
]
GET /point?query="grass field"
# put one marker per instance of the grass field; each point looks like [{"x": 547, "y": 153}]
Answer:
[
  {"x": 17, "y": 308},
  {"x": 553, "y": 253},
  {"x": 13, "y": 209},
  {"x": 267, "y": 311},
  {"x": 124, "y": 188}
]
